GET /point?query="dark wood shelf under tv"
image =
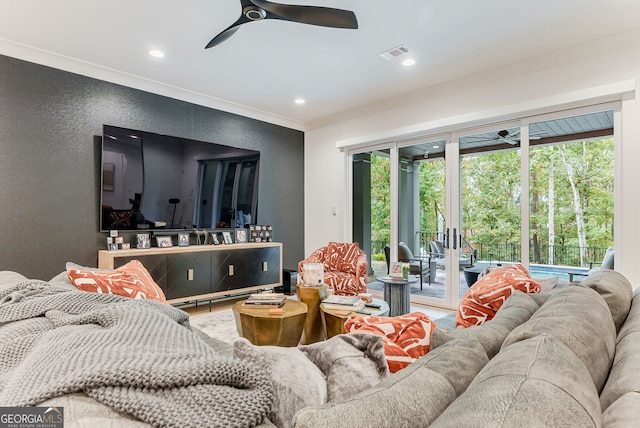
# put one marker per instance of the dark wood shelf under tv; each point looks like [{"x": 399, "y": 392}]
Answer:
[{"x": 205, "y": 272}]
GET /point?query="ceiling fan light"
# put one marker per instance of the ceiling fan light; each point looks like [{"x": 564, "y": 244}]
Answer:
[{"x": 254, "y": 13}]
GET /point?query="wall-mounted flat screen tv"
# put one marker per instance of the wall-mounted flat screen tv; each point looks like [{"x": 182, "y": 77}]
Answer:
[{"x": 153, "y": 181}]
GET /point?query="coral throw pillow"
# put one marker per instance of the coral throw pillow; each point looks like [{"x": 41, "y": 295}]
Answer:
[
  {"x": 406, "y": 337},
  {"x": 342, "y": 256},
  {"x": 130, "y": 280},
  {"x": 481, "y": 302}
]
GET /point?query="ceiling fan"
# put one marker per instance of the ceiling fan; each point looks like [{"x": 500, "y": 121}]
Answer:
[
  {"x": 502, "y": 136},
  {"x": 257, "y": 10}
]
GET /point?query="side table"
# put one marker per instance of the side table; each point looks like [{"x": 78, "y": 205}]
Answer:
[
  {"x": 471, "y": 273},
  {"x": 260, "y": 328},
  {"x": 313, "y": 330},
  {"x": 334, "y": 321},
  {"x": 397, "y": 293}
]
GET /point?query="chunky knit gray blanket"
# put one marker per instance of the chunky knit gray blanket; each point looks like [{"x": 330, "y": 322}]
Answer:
[{"x": 136, "y": 356}]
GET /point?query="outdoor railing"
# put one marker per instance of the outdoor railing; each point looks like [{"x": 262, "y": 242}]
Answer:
[
  {"x": 563, "y": 255},
  {"x": 426, "y": 237}
]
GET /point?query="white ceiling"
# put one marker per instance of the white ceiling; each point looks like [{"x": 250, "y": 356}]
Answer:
[{"x": 261, "y": 69}]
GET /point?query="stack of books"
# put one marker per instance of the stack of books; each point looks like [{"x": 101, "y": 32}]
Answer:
[
  {"x": 347, "y": 303},
  {"x": 266, "y": 300}
]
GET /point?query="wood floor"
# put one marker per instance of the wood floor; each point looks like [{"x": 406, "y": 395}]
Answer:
[{"x": 214, "y": 306}]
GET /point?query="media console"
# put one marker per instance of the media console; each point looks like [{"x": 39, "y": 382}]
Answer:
[{"x": 205, "y": 272}]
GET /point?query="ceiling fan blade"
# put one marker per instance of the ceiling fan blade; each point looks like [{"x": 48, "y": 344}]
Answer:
[
  {"x": 313, "y": 15},
  {"x": 228, "y": 32},
  {"x": 536, "y": 135}
]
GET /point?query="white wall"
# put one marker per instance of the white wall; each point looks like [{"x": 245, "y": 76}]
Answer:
[{"x": 552, "y": 79}]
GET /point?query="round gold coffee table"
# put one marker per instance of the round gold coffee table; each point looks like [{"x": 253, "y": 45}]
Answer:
[{"x": 261, "y": 328}]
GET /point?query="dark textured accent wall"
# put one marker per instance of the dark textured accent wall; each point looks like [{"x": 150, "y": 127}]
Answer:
[{"x": 50, "y": 163}]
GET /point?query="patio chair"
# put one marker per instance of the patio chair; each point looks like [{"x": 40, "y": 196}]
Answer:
[
  {"x": 436, "y": 251},
  {"x": 417, "y": 265},
  {"x": 606, "y": 263}
]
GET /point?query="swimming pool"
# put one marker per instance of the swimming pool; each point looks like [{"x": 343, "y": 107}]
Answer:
[{"x": 561, "y": 272}]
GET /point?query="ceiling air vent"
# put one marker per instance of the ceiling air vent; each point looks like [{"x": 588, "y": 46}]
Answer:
[{"x": 394, "y": 53}]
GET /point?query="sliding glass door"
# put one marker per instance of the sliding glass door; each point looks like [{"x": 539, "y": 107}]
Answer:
[
  {"x": 490, "y": 195},
  {"x": 536, "y": 191},
  {"x": 422, "y": 216}
]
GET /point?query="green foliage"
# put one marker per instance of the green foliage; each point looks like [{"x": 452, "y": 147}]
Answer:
[
  {"x": 491, "y": 189},
  {"x": 491, "y": 197},
  {"x": 432, "y": 194},
  {"x": 592, "y": 163},
  {"x": 380, "y": 198},
  {"x": 378, "y": 257}
]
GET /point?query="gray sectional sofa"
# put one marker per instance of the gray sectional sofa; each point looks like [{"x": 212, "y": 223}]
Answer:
[{"x": 566, "y": 357}]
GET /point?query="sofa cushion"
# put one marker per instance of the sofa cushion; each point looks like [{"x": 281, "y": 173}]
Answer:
[
  {"x": 624, "y": 376},
  {"x": 9, "y": 278},
  {"x": 624, "y": 412},
  {"x": 297, "y": 382},
  {"x": 518, "y": 308},
  {"x": 62, "y": 280},
  {"x": 406, "y": 337},
  {"x": 580, "y": 318},
  {"x": 350, "y": 363},
  {"x": 412, "y": 397},
  {"x": 535, "y": 382},
  {"x": 616, "y": 291},
  {"x": 484, "y": 298},
  {"x": 82, "y": 411},
  {"x": 129, "y": 280}
]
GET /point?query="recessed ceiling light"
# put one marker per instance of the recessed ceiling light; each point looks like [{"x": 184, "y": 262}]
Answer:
[
  {"x": 408, "y": 62},
  {"x": 156, "y": 53},
  {"x": 299, "y": 101}
]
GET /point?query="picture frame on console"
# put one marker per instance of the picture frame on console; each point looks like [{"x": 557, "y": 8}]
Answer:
[
  {"x": 183, "y": 239},
  {"x": 164, "y": 241},
  {"x": 143, "y": 240},
  {"x": 241, "y": 236},
  {"x": 215, "y": 240},
  {"x": 227, "y": 237}
]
